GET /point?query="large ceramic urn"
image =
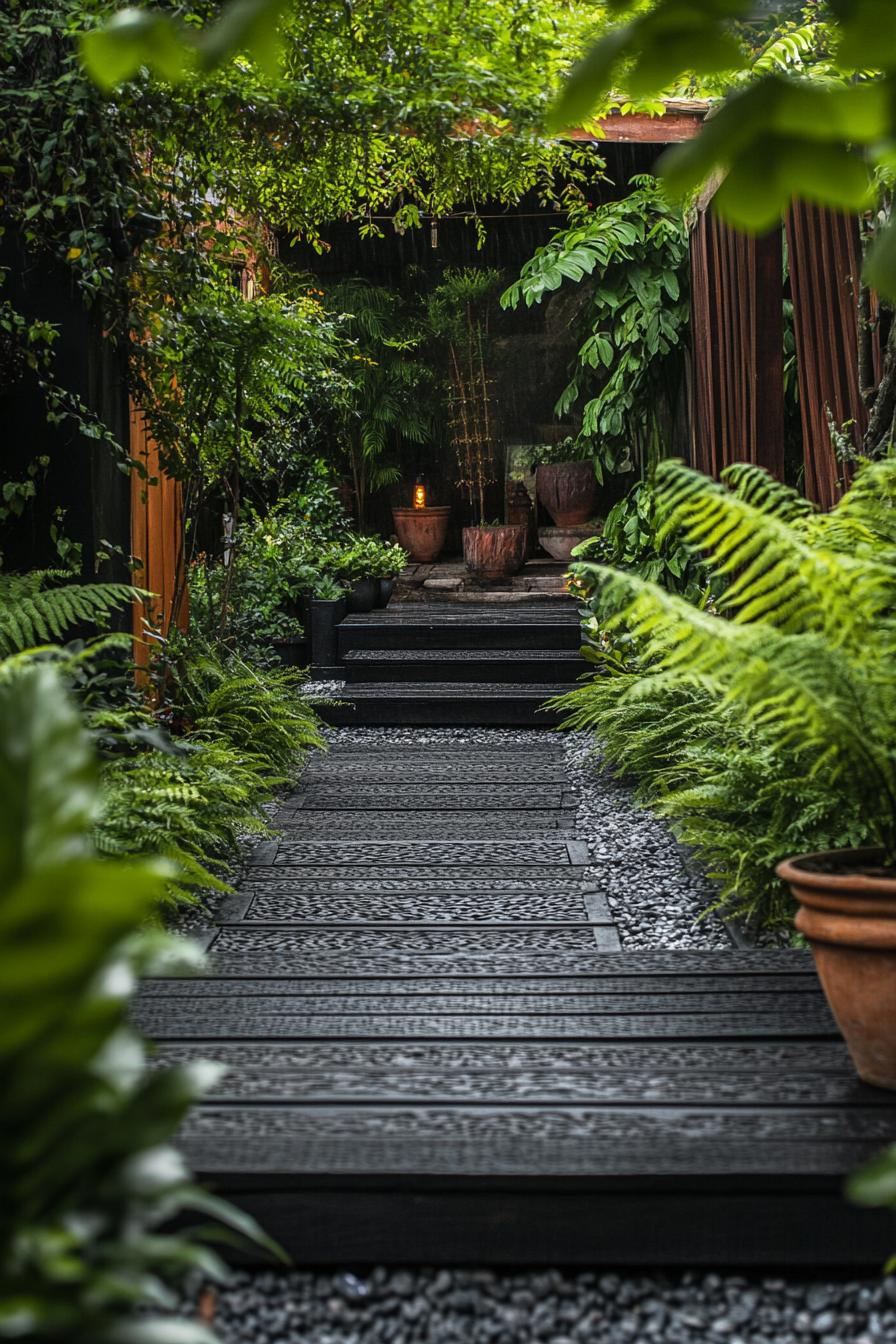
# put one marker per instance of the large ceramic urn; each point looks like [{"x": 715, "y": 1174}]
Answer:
[
  {"x": 422, "y": 531},
  {"x": 568, "y": 490}
]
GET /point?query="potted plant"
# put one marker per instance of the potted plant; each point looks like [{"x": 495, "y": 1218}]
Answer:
[
  {"x": 801, "y": 656},
  {"x": 459, "y": 312},
  {"x": 327, "y": 610},
  {"x": 351, "y": 562},
  {"x": 422, "y": 529},
  {"x": 565, "y": 481},
  {"x": 388, "y": 563}
]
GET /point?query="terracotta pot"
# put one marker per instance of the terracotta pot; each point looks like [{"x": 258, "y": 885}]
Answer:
[
  {"x": 560, "y": 542},
  {"x": 422, "y": 532},
  {"x": 495, "y": 552},
  {"x": 568, "y": 490},
  {"x": 850, "y": 921}
]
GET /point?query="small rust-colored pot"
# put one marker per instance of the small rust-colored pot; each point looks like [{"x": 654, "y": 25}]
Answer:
[
  {"x": 422, "y": 532},
  {"x": 849, "y": 919},
  {"x": 495, "y": 552},
  {"x": 568, "y": 490}
]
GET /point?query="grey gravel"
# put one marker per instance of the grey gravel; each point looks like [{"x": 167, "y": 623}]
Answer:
[
  {"x": 548, "y": 1306},
  {"x": 655, "y": 890}
]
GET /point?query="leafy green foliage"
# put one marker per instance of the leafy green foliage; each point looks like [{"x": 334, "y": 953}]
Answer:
[
  {"x": 460, "y": 318},
  {"x": 32, "y": 613},
  {"x": 816, "y": 129},
  {"x": 133, "y": 38},
  {"x": 627, "y": 377},
  {"x": 238, "y": 732},
  {"x": 89, "y": 1179},
  {"x": 874, "y": 1185},
  {"x": 770, "y": 727},
  {"x": 385, "y": 401},
  {"x": 259, "y": 713},
  {"x": 630, "y": 540}
]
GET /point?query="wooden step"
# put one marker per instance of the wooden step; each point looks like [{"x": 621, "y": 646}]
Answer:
[
  {"x": 456, "y": 625},
  {"x": 514, "y": 666},
  {"x": 445, "y": 704}
]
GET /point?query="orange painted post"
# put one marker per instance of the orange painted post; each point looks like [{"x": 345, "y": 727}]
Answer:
[{"x": 156, "y": 539}]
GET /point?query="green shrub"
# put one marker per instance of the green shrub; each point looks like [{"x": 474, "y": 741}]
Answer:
[
  {"x": 769, "y": 728},
  {"x": 243, "y": 732},
  {"x": 259, "y": 712},
  {"x": 88, "y": 1177}
]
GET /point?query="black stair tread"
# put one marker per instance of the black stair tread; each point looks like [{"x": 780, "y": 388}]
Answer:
[
  {"x": 478, "y": 613},
  {"x": 434, "y": 655},
  {"x": 449, "y": 690}
]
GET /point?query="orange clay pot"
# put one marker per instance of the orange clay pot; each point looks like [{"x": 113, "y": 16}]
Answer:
[
  {"x": 495, "y": 552},
  {"x": 849, "y": 919},
  {"x": 422, "y": 532}
]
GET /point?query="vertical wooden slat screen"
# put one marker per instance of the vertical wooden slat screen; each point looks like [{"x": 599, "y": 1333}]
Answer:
[
  {"x": 156, "y": 535},
  {"x": 738, "y": 346},
  {"x": 825, "y": 261}
]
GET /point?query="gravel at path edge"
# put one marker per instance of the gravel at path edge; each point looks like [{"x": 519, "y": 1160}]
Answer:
[{"x": 459, "y": 1306}]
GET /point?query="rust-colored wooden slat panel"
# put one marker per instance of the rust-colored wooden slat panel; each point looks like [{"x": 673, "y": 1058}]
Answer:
[
  {"x": 737, "y": 336},
  {"x": 156, "y": 532},
  {"x": 825, "y": 260}
]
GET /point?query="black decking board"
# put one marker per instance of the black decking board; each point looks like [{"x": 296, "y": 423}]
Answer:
[
  {"x": 571, "y": 906},
  {"x": 437, "y": 1053}
]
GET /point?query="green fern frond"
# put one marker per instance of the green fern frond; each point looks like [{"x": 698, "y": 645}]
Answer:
[
  {"x": 31, "y": 614},
  {"x": 782, "y": 576}
]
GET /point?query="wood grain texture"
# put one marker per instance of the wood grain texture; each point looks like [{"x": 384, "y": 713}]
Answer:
[
  {"x": 429, "y": 907},
  {"x": 237, "y": 1021},
  {"x": 422, "y": 1011}
]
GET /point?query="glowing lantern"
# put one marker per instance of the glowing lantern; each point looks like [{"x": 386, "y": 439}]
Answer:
[{"x": 419, "y": 495}]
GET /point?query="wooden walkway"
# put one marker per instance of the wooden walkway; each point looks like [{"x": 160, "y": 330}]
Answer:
[{"x": 438, "y": 1053}]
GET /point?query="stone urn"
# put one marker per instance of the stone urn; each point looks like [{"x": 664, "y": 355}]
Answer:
[
  {"x": 422, "y": 531},
  {"x": 560, "y": 542},
  {"x": 495, "y": 552},
  {"x": 848, "y": 914},
  {"x": 568, "y": 490}
]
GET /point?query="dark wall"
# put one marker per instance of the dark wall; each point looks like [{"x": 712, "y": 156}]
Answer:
[
  {"x": 82, "y": 478},
  {"x": 533, "y": 347}
]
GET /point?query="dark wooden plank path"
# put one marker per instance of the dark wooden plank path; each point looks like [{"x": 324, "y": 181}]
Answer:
[{"x": 437, "y": 1051}]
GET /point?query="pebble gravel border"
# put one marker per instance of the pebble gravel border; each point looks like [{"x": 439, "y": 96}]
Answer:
[
  {"x": 656, "y": 892},
  {"x": 455, "y": 1306}
]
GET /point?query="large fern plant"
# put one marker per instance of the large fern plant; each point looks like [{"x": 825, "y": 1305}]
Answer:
[
  {"x": 44, "y": 606},
  {"x": 788, "y": 690}
]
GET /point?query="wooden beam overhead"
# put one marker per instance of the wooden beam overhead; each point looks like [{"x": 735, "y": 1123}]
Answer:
[{"x": 681, "y": 121}]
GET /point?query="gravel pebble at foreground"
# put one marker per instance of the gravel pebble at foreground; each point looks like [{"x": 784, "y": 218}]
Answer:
[{"x": 429, "y": 1306}]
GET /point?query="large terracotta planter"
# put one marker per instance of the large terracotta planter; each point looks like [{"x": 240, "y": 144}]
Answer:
[
  {"x": 422, "y": 532},
  {"x": 495, "y": 552},
  {"x": 568, "y": 490},
  {"x": 560, "y": 542},
  {"x": 849, "y": 919}
]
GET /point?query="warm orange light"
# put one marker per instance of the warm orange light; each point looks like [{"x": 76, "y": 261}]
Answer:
[{"x": 419, "y": 496}]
